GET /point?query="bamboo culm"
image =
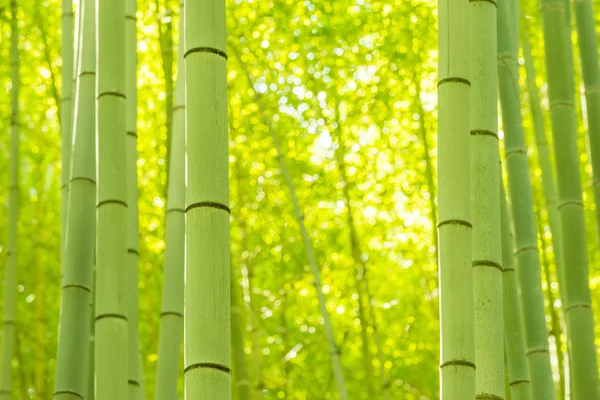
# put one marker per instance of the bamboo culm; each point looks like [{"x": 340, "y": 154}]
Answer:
[
  {"x": 577, "y": 305},
  {"x": 457, "y": 333},
  {"x": 171, "y": 324},
  {"x": 207, "y": 370},
  {"x": 485, "y": 202},
  {"x": 514, "y": 335},
  {"x": 135, "y": 378},
  {"x": 521, "y": 198},
  {"x": 72, "y": 365},
  {"x": 8, "y": 321},
  {"x": 112, "y": 274},
  {"x": 312, "y": 261}
]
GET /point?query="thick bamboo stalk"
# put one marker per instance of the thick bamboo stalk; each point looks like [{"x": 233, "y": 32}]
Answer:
[
  {"x": 171, "y": 316},
  {"x": 577, "y": 306},
  {"x": 72, "y": 364},
  {"x": 135, "y": 378},
  {"x": 66, "y": 113},
  {"x": 485, "y": 201},
  {"x": 521, "y": 197},
  {"x": 588, "y": 51},
  {"x": 112, "y": 275},
  {"x": 8, "y": 321},
  {"x": 207, "y": 371},
  {"x": 514, "y": 335},
  {"x": 457, "y": 333},
  {"x": 338, "y": 372}
]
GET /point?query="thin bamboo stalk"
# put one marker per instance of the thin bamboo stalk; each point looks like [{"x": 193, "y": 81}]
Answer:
[
  {"x": 171, "y": 316},
  {"x": 8, "y": 321},
  {"x": 312, "y": 261}
]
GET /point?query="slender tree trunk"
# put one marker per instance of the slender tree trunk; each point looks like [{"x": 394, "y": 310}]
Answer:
[
  {"x": 577, "y": 306},
  {"x": 66, "y": 110},
  {"x": 521, "y": 196},
  {"x": 242, "y": 382},
  {"x": 207, "y": 371},
  {"x": 360, "y": 267},
  {"x": 457, "y": 334},
  {"x": 91, "y": 390},
  {"x": 333, "y": 348},
  {"x": 253, "y": 321},
  {"x": 514, "y": 335},
  {"x": 485, "y": 201},
  {"x": 8, "y": 321},
  {"x": 73, "y": 342},
  {"x": 135, "y": 377},
  {"x": 171, "y": 316},
  {"x": 588, "y": 51},
  {"x": 112, "y": 275}
]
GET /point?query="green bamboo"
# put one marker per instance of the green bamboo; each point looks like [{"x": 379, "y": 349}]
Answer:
[
  {"x": 171, "y": 324},
  {"x": 92, "y": 341},
  {"x": 555, "y": 330},
  {"x": 207, "y": 371},
  {"x": 338, "y": 372},
  {"x": 577, "y": 306},
  {"x": 588, "y": 52},
  {"x": 66, "y": 112},
  {"x": 241, "y": 381},
  {"x": 543, "y": 153},
  {"x": 8, "y": 321},
  {"x": 521, "y": 197},
  {"x": 72, "y": 363},
  {"x": 165, "y": 36},
  {"x": 135, "y": 378},
  {"x": 485, "y": 201},
  {"x": 112, "y": 275},
  {"x": 514, "y": 335},
  {"x": 252, "y": 308},
  {"x": 457, "y": 333}
]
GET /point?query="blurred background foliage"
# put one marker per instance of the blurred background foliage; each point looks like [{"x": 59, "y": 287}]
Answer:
[{"x": 347, "y": 76}]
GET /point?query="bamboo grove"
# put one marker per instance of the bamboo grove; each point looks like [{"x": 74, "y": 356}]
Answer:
[{"x": 210, "y": 199}]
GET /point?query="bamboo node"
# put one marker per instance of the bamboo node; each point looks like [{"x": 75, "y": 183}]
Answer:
[
  {"x": 85, "y": 73},
  {"x": 458, "y": 363},
  {"x": 511, "y": 269},
  {"x": 181, "y": 210},
  {"x": 486, "y": 1},
  {"x": 205, "y": 50},
  {"x": 525, "y": 248},
  {"x": 133, "y": 382},
  {"x": 519, "y": 381},
  {"x": 179, "y": 107},
  {"x": 71, "y": 392},
  {"x": 80, "y": 178},
  {"x": 514, "y": 151},
  {"x": 8, "y": 322},
  {"x": 131, "y": 18},
  {"x": 484, "y": 132},
  {"x": 576, "y": 203},
  {"x": 487, "y": 263},
  {"x": 77, "y": 286},
  {"x": 455, "y": 222},
  {"x": 175, "y": 313},
  {"x": 538, "y": 350},
  {"x": 210, "y": 204},
  {"x": 111, "y": 315},
  {"x": 454, "y": 79},
  {"x": 579, "y": 305},
  {"x": 116, "y": 94},
  {"x": 104, "y": 202},
  {"x": 218, "y": 367},
  {"x": 133, "y": 251},
  {"x": 132, "y": 133}
]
